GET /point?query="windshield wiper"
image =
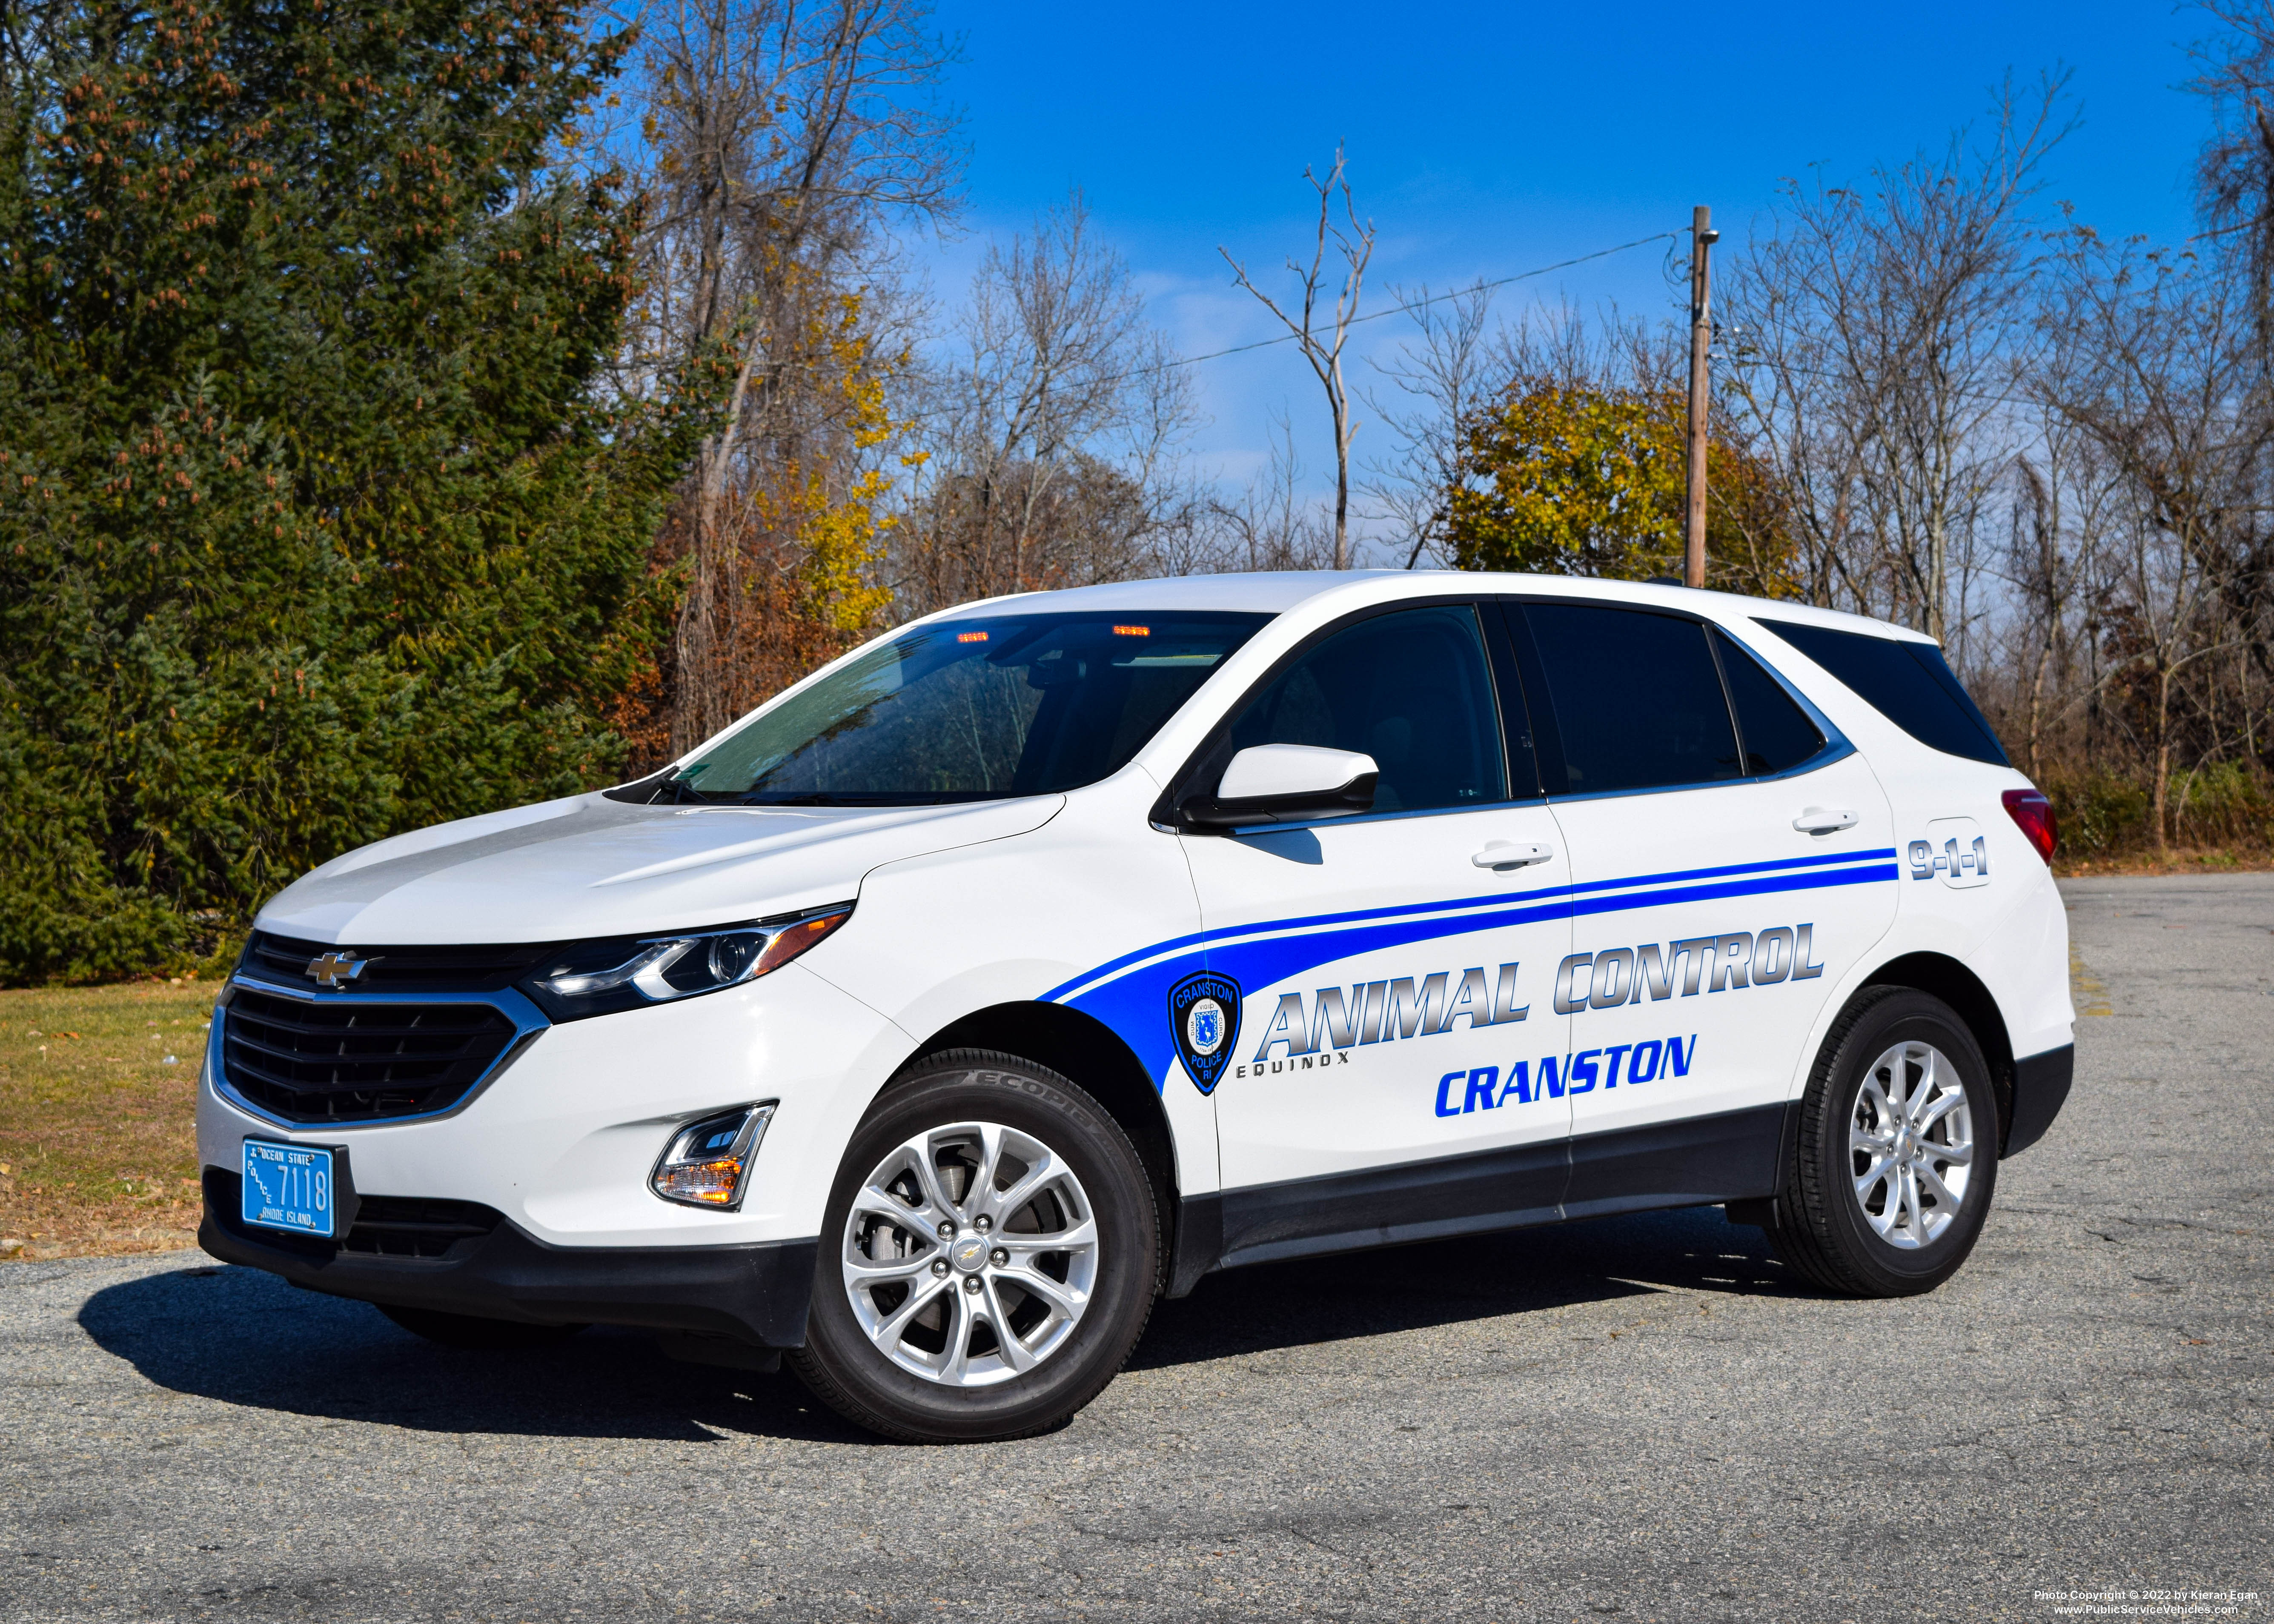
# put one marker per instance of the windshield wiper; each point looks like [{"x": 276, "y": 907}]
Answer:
[{"x": 871, "y": 798}]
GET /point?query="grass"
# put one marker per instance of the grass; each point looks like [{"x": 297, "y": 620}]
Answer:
[
  {"x": 98, "y": 1140},
  {"x": 2204, "y": 859}
]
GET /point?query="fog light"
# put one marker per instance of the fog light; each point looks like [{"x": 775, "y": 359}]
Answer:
[{"x": 708, "y": 1162}]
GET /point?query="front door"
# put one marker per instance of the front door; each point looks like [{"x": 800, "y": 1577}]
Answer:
[
  {"x": 1392, "y": 970},
  {"x": 1730, "y": 857}
]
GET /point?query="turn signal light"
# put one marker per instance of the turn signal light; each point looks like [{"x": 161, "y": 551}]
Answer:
[
  {"x": 794, "y": 939},
  {"x": 704, "y": 1183},
  {"x": 708, "y": 1162},
  {"x": 2030, "y": 809}
]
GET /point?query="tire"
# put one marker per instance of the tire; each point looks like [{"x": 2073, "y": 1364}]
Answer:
[
  {"x": 1847, "y": 1220},
  {"x": 471, "y": 1332},
  {"x": 902, "y": 1335}
]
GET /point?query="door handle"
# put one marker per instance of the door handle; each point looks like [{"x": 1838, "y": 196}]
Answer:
[
  {"x": 1823, "y": 820},
  {"x": 1508, "y": 855}
]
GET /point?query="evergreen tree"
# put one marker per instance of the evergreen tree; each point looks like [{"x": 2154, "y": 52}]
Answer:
[{"x": 316, "y": 523}]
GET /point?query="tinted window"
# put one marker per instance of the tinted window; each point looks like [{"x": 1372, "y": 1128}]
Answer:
[
  {"x": 1637, "y": 698},
  {"x": 1905, "y": 682},
  {"x": 1411, "y": 689},
  {"x": 970, "y": 709},
  {"x": 1776, "y": 732}
]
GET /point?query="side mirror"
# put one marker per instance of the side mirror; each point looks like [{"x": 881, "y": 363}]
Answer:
[{"x": 1285, "y": 784}]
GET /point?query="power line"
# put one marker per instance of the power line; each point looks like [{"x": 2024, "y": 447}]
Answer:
[
  {"x": 1408, "y": 305},
  {"x": 1403, "y": 307}
]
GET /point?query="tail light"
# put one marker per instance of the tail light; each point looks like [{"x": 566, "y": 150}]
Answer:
[{"x": 2034, "y": 814}]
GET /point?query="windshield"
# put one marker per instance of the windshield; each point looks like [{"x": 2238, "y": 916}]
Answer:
[{"x": 971, "y": 709}]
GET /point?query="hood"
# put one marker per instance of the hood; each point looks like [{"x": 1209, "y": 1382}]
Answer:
[{"x": 592, "y": 866}]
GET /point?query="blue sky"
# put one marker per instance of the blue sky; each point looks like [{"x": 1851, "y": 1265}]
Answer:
[{"x": 1486, "y": 140}]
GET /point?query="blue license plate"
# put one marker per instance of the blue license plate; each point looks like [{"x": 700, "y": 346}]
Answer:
[{"x": 288, "y": 1187}]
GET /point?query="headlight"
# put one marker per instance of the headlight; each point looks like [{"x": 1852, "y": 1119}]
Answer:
[{"x": 629, "y": 972}]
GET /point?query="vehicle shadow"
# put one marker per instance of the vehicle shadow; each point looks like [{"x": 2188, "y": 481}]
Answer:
[
  {"x": 1479, "y": 1277},
  {"x": 245, "y": 1337}
]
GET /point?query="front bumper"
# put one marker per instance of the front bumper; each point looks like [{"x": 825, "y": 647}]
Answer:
[
  {"x": 562, "y": 1140},
  {"x": 757, "y": 1293}
]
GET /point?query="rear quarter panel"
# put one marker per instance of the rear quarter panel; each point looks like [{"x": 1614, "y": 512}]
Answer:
[{"x": 2010, "y": 928}]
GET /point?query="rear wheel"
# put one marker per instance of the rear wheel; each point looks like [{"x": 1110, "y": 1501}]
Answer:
[
  {"x": 990, "y": 1256},
  {"x": 1898, "y": 1151},
  {"x": 471, "y": 1331}
]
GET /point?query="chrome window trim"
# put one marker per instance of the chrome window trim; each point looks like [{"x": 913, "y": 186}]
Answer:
[
  {"x": 1835, "y": 749},
  {"x": 529, "y": 1025},
  {"x": 1246, "y": 831}
]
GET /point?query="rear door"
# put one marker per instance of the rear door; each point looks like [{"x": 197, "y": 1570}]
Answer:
[
  {"x": 1730, "y": 857},
  {"x": 1390, "y": 971}
]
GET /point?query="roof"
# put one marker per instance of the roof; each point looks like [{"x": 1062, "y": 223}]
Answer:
[
  {"x": 1275, "y": 592},
  {"x": 1262, "y": 592}
]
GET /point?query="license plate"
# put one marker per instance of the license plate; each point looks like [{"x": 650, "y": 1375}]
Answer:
[{"x": 288, "y": 1187}]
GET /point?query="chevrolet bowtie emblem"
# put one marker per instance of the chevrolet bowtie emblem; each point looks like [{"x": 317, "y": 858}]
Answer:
[{"x": 335, "y": 970}]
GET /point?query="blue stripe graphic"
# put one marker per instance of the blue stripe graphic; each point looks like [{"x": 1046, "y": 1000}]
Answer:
[
  {"x": 1884, "y": 853},
  {"x": 1132, "y": 1001},
  {"x": 1499, "y": 900}
]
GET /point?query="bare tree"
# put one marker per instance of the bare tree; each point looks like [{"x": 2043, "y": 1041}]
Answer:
[
  {"x": 1440, "y": 376},
  {"x": 2040, "y": 570},
  {"x": 1883, "y": 331},
  {"x": 1353, "y": 249},
  {"x": 2235, "y": 196},
  {"x": 2235, "y": 174},
  {"x": 1270, "y": 525},
  {"x": 2155, "y": 361},
  {"x": 782, "y": 136},
  {"x": 1050, "y": 445}
]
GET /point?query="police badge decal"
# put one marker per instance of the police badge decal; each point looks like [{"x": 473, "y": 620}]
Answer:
[{"x": 1204, "y": 1015}]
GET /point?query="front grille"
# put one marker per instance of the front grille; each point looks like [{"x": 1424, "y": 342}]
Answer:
[
  {"x": 355, "y": 1060},
  {"x": 477, "y": 968},
  {"x": 397, "y": 1226}
]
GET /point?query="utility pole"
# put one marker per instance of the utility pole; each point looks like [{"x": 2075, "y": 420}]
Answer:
[{"x": 1702, "y": 239}]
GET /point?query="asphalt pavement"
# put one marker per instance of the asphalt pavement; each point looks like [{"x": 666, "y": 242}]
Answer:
[{"x": 1635, "y": 1419}]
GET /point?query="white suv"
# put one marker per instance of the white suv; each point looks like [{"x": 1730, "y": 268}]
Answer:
[{"x": 1051, "y": 952}]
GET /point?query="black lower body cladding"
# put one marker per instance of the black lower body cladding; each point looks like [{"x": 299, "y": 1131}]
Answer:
[
  {"x": 2041, "y": 1085},
  {"x": 755, "y": 1294}
]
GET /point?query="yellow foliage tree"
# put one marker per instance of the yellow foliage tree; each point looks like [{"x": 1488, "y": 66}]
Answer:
[
  {"x": 800, "y": 526},
  {"x": 1564, "y": 480},
  {"x": 834, "y": 517}
]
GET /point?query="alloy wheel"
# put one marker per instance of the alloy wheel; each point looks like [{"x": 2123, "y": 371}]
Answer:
[
  {"x": 1910, "y": 1144},
  {"x": 970, "y": 1254}
]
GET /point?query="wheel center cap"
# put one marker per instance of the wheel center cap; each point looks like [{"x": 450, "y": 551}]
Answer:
[{"x": 969, "y": 1254}]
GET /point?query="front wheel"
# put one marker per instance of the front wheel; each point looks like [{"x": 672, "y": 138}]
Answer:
[
  {"x": 1898, "y": 1151},
  {"x": 990, "y": 1256}
]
